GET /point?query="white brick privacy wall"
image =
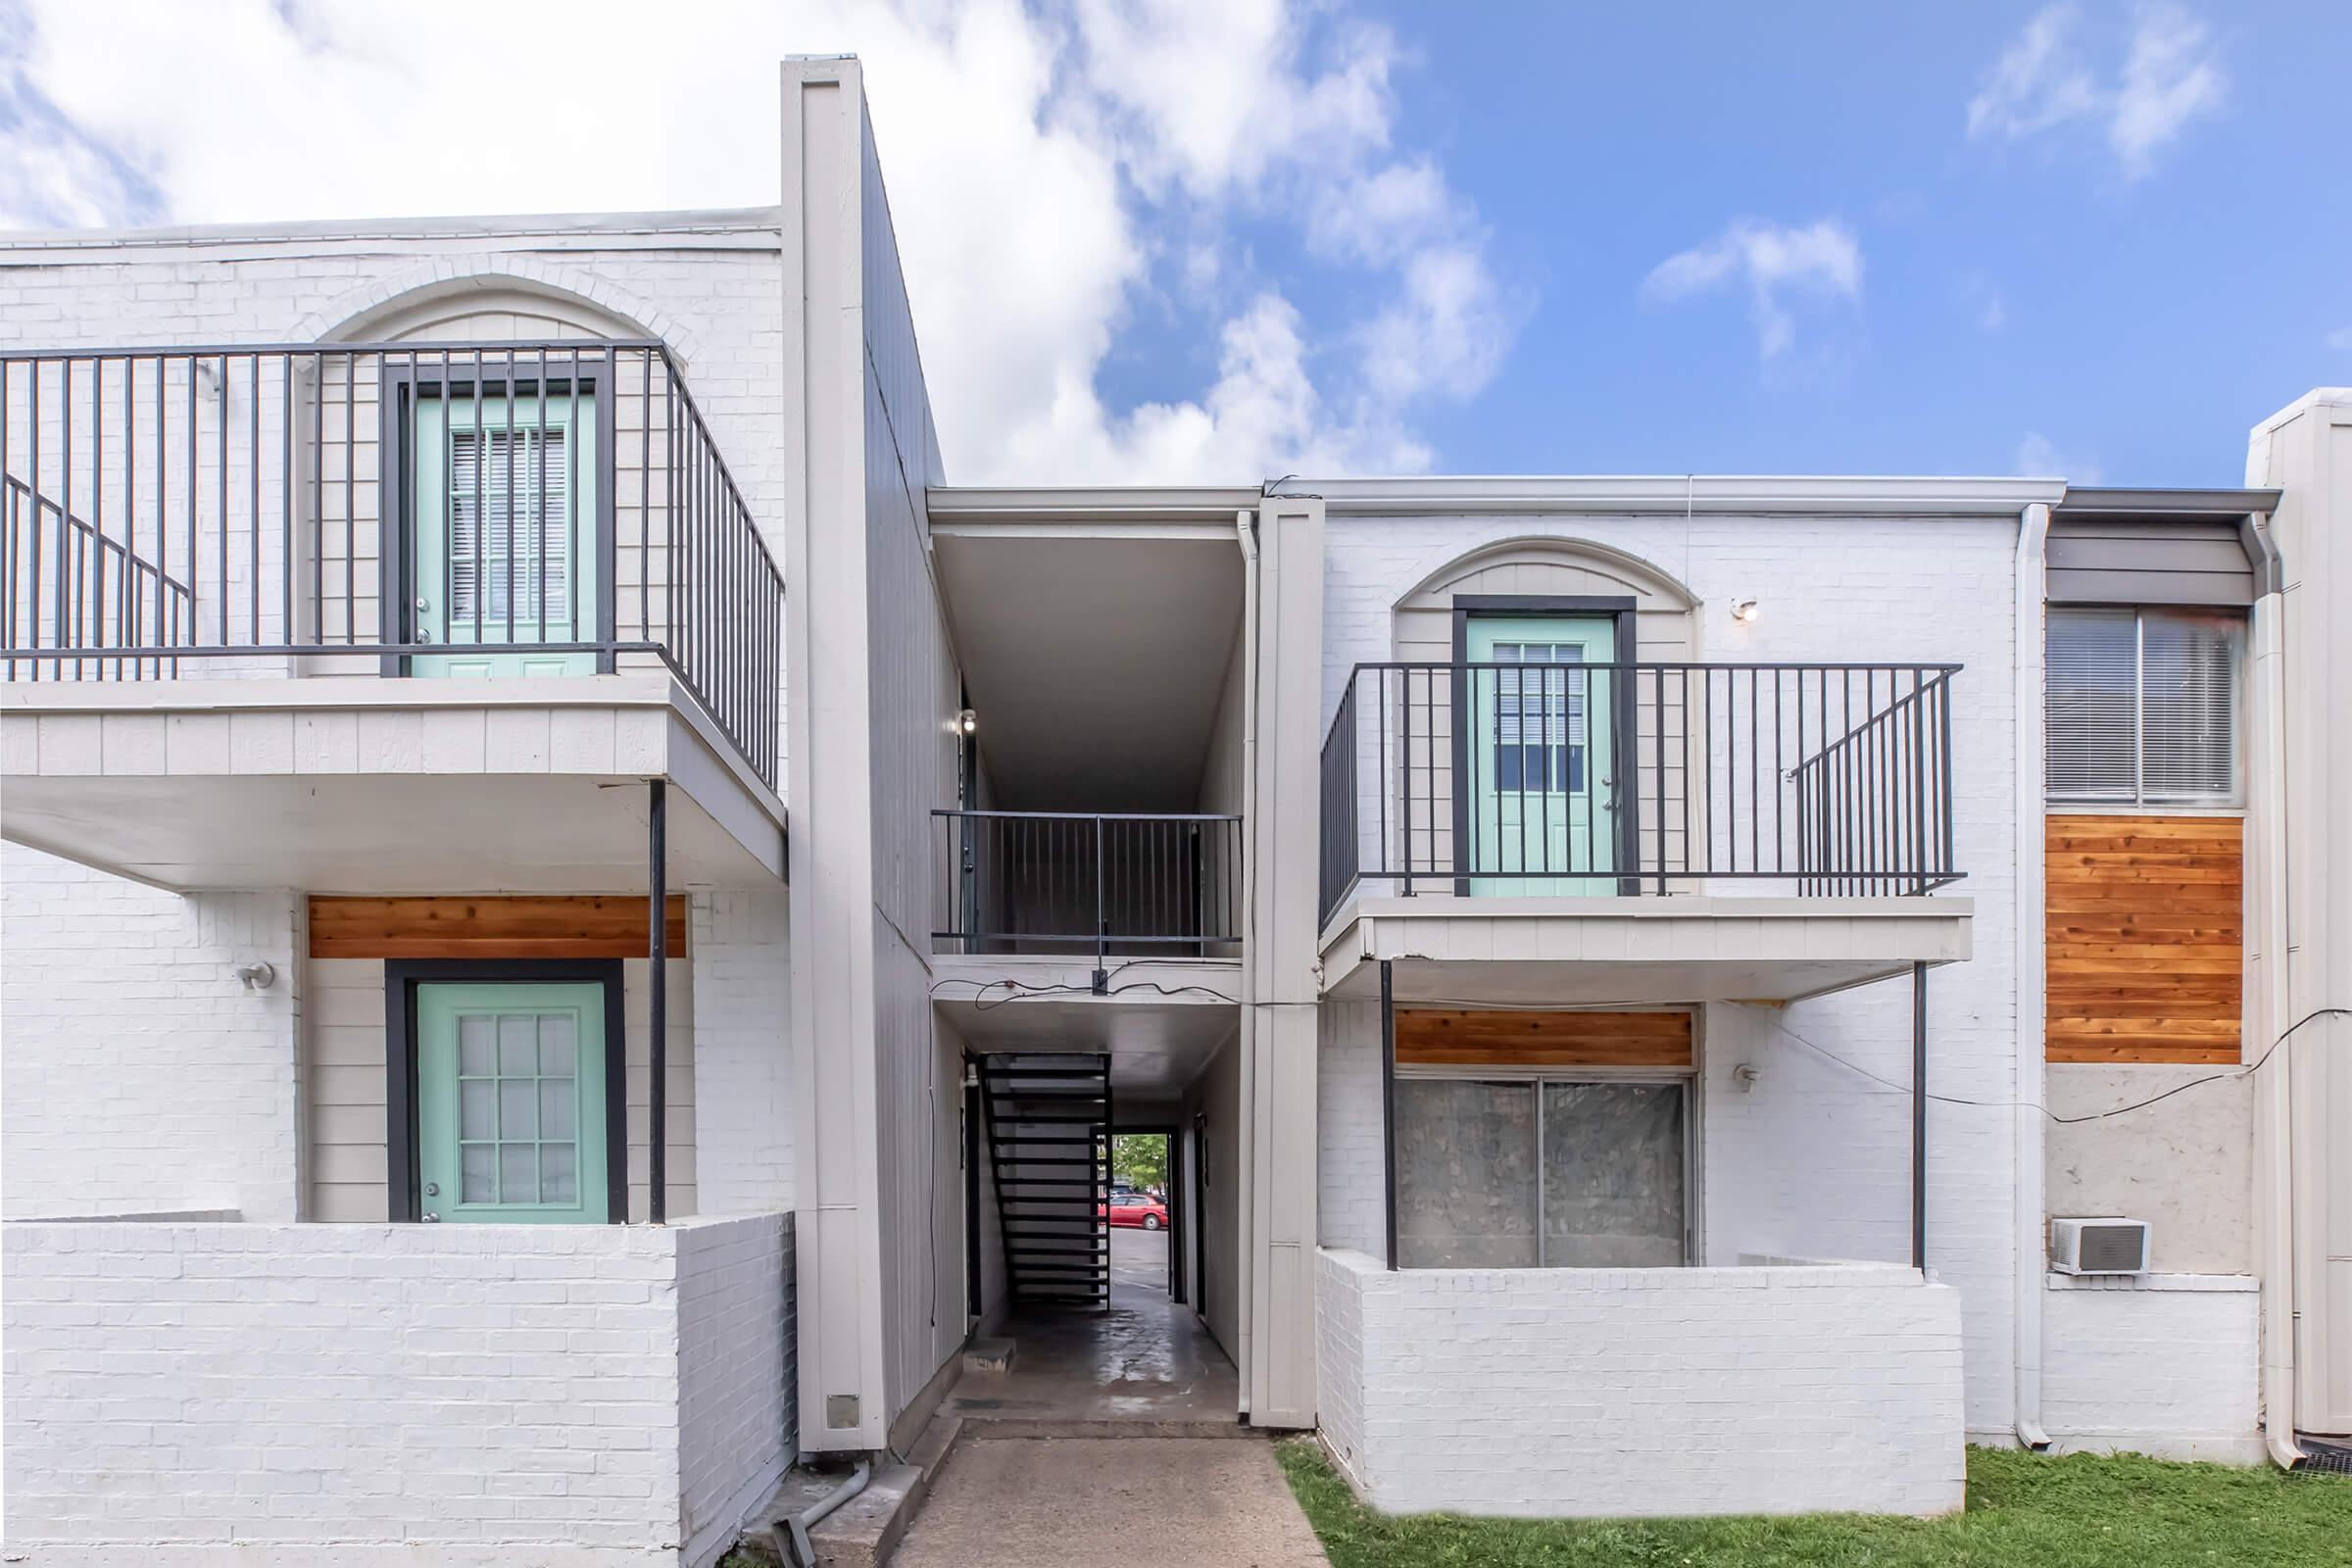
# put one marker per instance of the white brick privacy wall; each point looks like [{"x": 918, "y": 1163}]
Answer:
[
  {"x": 1642, "y": 1392},
  {"x": 1816, "y": 1160},
  {"x": 462, "y": 1395},
  {"x": 2166, "y": 1364},
  {"x": 737, "y": 1410},
  {"x": 742, "y": 1059},
  {"x": 141, "y": 1073}
]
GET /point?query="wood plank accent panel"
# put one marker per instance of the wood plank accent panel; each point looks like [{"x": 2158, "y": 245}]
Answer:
[
  {"x": 1436, "y": 1037},
  {"x": 504, "y": 927},
  {"x": 2146, "y": 938}
]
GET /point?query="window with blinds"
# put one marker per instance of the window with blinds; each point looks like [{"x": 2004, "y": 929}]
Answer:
[
  {"x": 510, "y": 528},
  {"x": 2142, "y": 706}
]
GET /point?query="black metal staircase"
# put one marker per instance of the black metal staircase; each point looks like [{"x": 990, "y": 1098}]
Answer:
[{"x": 1048, "y": 1123}]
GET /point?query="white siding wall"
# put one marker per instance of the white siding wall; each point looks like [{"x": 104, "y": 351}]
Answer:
[
  {"x": 914, "y": 691},
  {"x": 1815, "y": 1161},
  {"x": 1217, "y": 1094},
  {"x": 141, "y": 1074},
  {"x": 272, "y": 1393},
  {"x": 1641, "y": 1391}
]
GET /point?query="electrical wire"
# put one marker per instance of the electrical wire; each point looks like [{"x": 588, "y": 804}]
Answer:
[{"x": 2066, "y": 1121}]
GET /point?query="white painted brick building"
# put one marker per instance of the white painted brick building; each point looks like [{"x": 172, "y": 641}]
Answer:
[{"x": 1543, "y": 1090}]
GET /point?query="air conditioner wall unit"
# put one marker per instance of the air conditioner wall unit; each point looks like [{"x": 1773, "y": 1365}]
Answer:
[{"x": 2102, "y": 1246}]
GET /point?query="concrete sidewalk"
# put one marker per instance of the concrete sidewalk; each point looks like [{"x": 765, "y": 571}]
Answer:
[{"x": 1140, "y": 1502}]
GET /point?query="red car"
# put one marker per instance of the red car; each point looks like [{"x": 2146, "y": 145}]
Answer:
[{"x": 1136, "y": 1209}]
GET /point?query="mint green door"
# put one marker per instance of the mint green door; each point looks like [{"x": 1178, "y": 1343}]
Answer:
[
  {"x": 511, "y": 1103},
  {"x": 1541, "y": 795},
  {"x": 505, "y": 541}
]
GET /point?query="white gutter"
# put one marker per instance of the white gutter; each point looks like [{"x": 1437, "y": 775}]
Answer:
[
  {"x": 2274, "y": 1172},
  {"x": 2032, "y": 1008},
  {"x": 1242, "y": 1136}
]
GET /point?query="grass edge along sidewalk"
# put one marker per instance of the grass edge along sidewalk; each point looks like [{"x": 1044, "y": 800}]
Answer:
[{"x": 2079, "y": 1511}]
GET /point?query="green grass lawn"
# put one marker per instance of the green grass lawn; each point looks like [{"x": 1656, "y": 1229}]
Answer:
[{"x": 2075, "y": 1512}]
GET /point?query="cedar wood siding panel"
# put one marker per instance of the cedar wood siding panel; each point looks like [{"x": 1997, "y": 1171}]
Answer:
[
  {"x": 2146, "y": 938},
  {"x": 1430, "y": 1036},
  {"x": 516, "y": 927}
]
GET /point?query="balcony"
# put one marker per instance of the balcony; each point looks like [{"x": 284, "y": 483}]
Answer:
[
  {"x": 429, "y": 558},
  {"x": 1070, "y": 883},
  {"x": 1574, "y": 811}
]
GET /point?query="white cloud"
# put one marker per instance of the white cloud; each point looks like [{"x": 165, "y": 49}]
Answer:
[
  {"x": 1994, "y": 315},
  {"x": 1821, "y": 262},
  {"x": 2038, "y": 82},
  {"x": 2340, "y": 338},
  {"x": 2170, "y": 74},
  {"x": 2038, "y": 458},
  {"x": 2170, "y": 79},
  {"x": 1053, "y": 170}
]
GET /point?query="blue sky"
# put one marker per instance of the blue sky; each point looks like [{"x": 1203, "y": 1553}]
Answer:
[
  {"x": 2010, "y": 287},
  {"x": 1227, "y": 239}
]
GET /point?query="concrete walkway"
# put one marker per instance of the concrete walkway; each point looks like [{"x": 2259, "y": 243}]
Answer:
[
  {"x": 1143, "y": 1359},
  {"x": 1138, "y": 1503}
]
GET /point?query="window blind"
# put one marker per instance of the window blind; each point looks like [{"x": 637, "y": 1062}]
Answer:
[
  {"x": 2188, "y": 689},
  {"x": 2092, "y": 678},
  {"x": 2142, "y": 704},
  {"x": 518, "y": 533}
]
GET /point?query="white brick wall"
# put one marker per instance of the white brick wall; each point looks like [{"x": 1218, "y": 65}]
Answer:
[
  {"x": 742, "y": 1061},
  {"x": 1642, "y": 1392},
  {"x": 737, "y": 1413},
  {"x": 141, "y": 1074},
  {"x": 2167, "y": 1364},
  {"x": 1816, "y": 1160},
  {"x": 1350, "y": 1165},
  {"x": 399, "y": 1394}
]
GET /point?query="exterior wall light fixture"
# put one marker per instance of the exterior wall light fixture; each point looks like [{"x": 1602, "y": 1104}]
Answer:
[
  {"x": 256, "y": 975},
  {"x": 1745, "y": 611},
  {"x": 966, "y": 723}
]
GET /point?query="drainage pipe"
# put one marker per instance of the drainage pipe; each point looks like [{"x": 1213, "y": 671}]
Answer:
[
  {"x": 2028, "y": 1155},
  {"x": 797, "y": 1544},
  {"x": 2273, "y": 1102}
]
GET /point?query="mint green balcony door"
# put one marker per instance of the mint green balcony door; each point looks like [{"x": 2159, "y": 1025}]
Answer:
[
  {"x": 510, "y": 1104},
  {"x": 505, "y": 512},
  {"x": 1542, "y": 792}
]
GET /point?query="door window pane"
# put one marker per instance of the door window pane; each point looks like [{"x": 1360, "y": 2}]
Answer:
[
  {"x": 1612, "y": 1175},
  {"x": 1465, "y": 1174},
  {"x": 512, "y": 523}
]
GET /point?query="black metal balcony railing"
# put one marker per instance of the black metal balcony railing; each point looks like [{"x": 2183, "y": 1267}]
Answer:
[
  {"x": 1051, "y": 881},
  {"x": 393, "y": 508},
  {"x": 1600, "y": 779}
]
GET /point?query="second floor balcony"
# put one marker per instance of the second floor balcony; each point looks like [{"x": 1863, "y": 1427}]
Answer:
[
  {"x": 382, "y": 617},
  {"x": 1558, "y": 779},
  {"x": 419, "y": 509}
]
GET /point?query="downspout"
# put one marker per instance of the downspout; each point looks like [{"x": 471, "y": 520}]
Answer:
[
  {"x": 2032, "y": 1008},
  {"x": 1242, "y": 1138},
  {"x": 2275, "y": 1171}
]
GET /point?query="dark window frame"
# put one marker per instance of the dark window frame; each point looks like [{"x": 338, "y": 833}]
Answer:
[
  {"x": 403, "y": 1200},
  {"x": 396, "y": 545}
]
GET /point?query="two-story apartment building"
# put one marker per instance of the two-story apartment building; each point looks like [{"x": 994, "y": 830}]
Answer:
[{"x": 576, "y": 915}]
